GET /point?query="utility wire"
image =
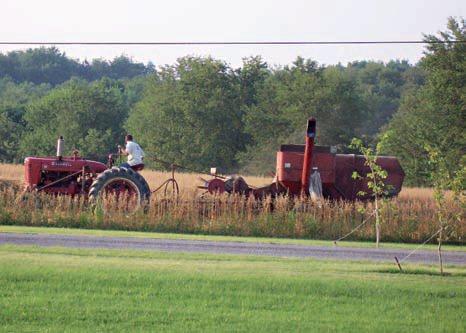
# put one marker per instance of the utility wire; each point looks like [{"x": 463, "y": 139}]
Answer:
[
  {"x": 352, "y": 231},
  {"x": 425, "y": 242},
  {"x": 361, "y": 42}
]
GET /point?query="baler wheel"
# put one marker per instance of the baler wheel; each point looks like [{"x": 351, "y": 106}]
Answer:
[
  {"x": 236, "y": 184},
  {"x": 120, "y": 182}
]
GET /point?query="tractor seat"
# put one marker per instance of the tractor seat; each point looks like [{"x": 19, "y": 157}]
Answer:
[{"x": 137, "y": 167}]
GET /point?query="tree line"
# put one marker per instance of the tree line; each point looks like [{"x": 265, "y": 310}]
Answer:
[
  {"x": 51, "y": 66},
  {"x": 202, "y": 112}
]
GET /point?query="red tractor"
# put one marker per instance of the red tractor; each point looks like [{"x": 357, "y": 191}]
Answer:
[{"x": 77, "y": 176}]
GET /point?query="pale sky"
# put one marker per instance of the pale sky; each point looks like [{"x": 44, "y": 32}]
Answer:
[{"x": 239, "y": 20}]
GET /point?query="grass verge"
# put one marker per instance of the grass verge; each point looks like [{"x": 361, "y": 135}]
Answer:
[
  {"x": 73, "y": 290},
  {"x": 309, "y": 242}
]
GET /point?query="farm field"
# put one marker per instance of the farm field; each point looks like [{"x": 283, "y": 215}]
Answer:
[
  {"x": 409, "y": 218},
  {"x": 58, "y": 290}
]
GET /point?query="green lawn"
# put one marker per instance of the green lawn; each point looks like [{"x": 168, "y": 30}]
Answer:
[
  {"x": 114, "y": 233},
  {"x": 58, "y": 290}
]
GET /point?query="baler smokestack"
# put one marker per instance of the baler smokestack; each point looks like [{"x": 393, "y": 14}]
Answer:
[
  {"x": 307, "y": 164},
  {"x": 60, "y": 146}
]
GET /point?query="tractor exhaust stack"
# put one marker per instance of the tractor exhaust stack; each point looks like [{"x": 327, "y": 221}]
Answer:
[
  {"x": 307, "y": 164},
  {"x": 60, "y": 146}
]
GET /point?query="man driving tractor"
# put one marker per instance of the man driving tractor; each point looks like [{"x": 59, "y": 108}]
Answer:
[{"x": 134, "y": 152}]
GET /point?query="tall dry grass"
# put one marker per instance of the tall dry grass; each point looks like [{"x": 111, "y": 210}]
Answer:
[
  {"x": 408, "y": 218},
  {"x": 188, "y": 181},
  {"x": 404, "y": 219},
  {"x": 11, "y": 172}
]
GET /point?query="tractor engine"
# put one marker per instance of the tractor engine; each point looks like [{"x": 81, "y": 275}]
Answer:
[
  {"x": 61, "y": 175},
  {"x": 68, "y": 175}
]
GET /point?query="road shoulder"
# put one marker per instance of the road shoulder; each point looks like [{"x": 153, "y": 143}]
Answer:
[{"x": 215, "y": 238}]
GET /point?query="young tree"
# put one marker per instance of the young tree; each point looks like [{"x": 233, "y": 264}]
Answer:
[
  {"x": 375, "y": 180},
  {"x": 442, "y": 181}
]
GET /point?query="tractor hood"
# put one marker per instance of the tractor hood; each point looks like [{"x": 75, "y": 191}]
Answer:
[{"x": 35, "y": 165}]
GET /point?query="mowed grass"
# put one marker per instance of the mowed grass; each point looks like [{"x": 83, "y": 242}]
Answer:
[{"x": 71, "y": 290}]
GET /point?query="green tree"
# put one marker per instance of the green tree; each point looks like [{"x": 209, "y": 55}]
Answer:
[
  {"x": 89, "y": 116},
  {"x": 13, "y": 101},
  {"x": 436, "y": 112},
  {"x": 191, "y": 114},
  {"x": 134, "y": 89},
  {"x": 287, "y": 98},
  {"x": 121, "y": 67},
  {"x": 252, "y": 76},
  {"x": 382, "y": 86},
  {"x": 50, "y": 65},
  {"x": 40, "y": 65},
  {"x": 9, "y": 132}
]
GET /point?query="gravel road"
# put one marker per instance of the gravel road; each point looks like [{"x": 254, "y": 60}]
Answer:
[{"x": 267, "y": 249}]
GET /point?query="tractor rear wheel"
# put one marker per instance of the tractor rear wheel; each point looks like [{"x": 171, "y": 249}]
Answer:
[{"x": 122, "y": 184}]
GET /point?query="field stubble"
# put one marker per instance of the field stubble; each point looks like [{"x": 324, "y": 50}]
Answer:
[{"x": 408, "y": 218}]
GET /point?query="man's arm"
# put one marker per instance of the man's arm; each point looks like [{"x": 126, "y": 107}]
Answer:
[{"x": 122, "y": 151}]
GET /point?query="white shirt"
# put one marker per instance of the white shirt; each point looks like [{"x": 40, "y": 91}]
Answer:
[{"x": 135, "y": 153}]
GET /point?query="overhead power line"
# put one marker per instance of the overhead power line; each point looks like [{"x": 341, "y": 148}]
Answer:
[{"x": 360, "y": 42}]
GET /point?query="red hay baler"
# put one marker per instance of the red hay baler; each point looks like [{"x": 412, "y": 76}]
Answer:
[{"x": 295, "y": 164}]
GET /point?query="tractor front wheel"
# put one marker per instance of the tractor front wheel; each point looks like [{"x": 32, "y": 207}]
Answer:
[{"x": 120, "y": 184}]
